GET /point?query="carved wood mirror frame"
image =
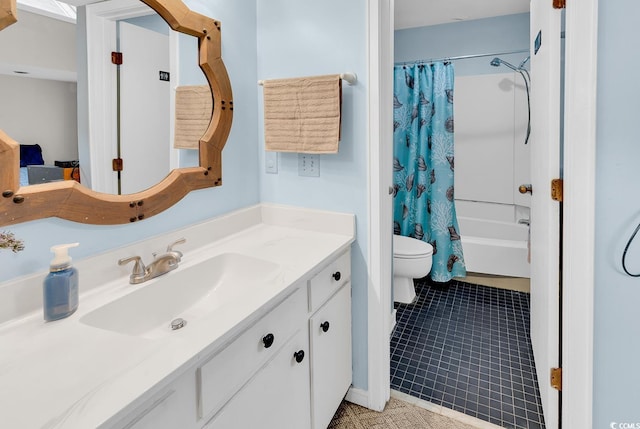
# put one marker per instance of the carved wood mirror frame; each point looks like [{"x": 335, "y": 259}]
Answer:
[{"x": 72, "y": 201}]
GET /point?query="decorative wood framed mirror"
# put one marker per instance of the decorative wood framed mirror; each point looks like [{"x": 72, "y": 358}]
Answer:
[
  {"x": 7, "y": 13},
  {"x": 72, "y": 201}
]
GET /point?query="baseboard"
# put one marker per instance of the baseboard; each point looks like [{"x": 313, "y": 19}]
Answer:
[
  {"x": 393, "y": 321},
  {"x": 358, "y": 397}
]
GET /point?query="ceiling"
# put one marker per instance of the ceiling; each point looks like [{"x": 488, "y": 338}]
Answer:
[{"x": 420, "y": 13}]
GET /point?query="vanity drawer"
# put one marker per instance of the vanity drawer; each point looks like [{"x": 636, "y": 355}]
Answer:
[
  {"x": 327, "y": 281},
  {"x": 228, "y": 370}
]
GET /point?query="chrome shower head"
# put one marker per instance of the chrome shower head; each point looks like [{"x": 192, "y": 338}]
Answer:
[{"x": 496, "y": 62}]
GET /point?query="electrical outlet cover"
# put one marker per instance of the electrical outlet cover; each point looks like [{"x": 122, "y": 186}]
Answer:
[{"x": 308, "y": 165}]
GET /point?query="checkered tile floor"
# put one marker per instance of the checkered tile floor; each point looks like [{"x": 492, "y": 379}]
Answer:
[{"x": 467, "y": 347}]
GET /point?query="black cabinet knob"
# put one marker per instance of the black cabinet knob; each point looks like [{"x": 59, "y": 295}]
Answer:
[
  {"x": 325, "y": 326},
  {"x": 267, "y": 340},
  {"x": 336, "y": 276},
  {"x": 299, "y": 355}
]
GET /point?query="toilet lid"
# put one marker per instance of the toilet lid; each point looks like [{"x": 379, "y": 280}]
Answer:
[{"x": 407, "y": 247}]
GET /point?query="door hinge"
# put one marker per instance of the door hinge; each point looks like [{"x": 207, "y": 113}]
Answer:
[
  {"x": 559, "y": 4},
  {"x": 116, "y": 58},
  {"x": 556, "y": 378},
  {"x": 556, "y": 190},
  {"x": 116, "y": 164}
]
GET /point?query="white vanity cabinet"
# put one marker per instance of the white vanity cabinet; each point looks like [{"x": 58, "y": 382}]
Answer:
[
  {"x": 289, "y": 369},
  {"x": 330, "y": 339}
]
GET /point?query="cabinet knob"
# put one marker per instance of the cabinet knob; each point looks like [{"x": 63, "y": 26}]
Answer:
[
  {"x": 299, "y": 355},
  {"x": 267, "y": 340},
  {"x": 336, "y": 276},
  {"x": 325, "y": 326}
]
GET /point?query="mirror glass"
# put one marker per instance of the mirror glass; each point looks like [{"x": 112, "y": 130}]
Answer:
[{"x": 47, "y": 93}]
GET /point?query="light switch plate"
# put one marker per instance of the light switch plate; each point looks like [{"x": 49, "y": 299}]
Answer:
[
  {"x": 271, "y": 162},
  {"x": 308, "y": 165}
]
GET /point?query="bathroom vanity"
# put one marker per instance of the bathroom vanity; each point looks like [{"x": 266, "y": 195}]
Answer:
[{"x": 266, "y": 296}]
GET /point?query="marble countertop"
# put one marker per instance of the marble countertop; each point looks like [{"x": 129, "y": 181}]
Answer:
[{"x": 66, "y": 374}]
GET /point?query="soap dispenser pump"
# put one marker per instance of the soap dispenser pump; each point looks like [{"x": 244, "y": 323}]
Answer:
[{"x": 60, "y": 288}]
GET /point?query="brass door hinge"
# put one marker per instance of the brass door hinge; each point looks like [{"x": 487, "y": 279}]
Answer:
[
  {"x": 116, "y": 164},
  {"x": 559, "y": 4},
  {"x": 116, "y": 58},
  {"x": 556, "y": 378},
  {"x": 556, "y": 189}
]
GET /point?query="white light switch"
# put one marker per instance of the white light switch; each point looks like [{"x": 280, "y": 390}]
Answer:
[{"x": 271, "y": 162}]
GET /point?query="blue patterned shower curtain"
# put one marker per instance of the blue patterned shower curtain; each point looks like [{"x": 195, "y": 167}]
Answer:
[{"x": 423, "y": 163}]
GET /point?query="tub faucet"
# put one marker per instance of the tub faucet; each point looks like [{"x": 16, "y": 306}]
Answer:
[{"x": 160, "y": 265}]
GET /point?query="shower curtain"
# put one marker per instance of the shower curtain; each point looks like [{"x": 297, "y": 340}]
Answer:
[{"x": 423, "y": 163}]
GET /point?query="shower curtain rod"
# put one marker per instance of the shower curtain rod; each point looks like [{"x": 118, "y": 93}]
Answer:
[{"x": 461, "y": 57}]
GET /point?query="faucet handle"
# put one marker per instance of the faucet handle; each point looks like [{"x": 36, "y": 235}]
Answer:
[
  {"x": 138, "y": 269},
  {"x": 177, "y": 252}
]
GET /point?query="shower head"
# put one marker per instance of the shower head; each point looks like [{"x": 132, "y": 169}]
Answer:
[
  {"x": 524, "y": 62},
  {"x": 496, "y": 62}
]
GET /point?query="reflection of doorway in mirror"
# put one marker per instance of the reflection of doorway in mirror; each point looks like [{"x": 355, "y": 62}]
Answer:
[{"x": 144, "y": 114}]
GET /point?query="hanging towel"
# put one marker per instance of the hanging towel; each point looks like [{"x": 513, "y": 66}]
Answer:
[
  {"x": 194, "y": 106},
  {"x": 303, "y": 114}
]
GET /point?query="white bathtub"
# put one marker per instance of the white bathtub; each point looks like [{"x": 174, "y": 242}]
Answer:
[{"x": 494, "y": 247}]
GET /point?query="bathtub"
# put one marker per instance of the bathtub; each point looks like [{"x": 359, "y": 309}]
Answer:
[{"x": 497, "y": 247}]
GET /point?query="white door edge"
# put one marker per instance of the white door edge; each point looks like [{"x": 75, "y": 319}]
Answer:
[
  {"x": 579, "y": 212},
  {"x": 174, "y": 71},
  {"x": 380, "y": 57}
]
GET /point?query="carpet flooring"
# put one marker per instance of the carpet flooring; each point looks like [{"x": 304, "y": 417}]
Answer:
[{"x": 396, "y": 415}]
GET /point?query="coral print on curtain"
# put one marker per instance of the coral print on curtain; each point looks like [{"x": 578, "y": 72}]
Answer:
[{"x": 423, "y": 163}]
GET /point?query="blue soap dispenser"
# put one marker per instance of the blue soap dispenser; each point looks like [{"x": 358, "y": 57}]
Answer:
[{"x": 60, "y": 288}]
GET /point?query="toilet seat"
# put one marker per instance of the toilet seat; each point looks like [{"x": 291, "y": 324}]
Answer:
[{"x": 410, "y": 248}]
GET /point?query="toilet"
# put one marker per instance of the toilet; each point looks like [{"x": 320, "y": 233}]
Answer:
[{"x": 411, "y": 260}]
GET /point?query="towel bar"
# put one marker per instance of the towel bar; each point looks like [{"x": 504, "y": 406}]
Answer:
[{"x": 350, "y": 78}]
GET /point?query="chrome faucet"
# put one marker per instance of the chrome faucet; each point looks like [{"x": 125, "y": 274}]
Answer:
[{"x": 161, "y": 264}]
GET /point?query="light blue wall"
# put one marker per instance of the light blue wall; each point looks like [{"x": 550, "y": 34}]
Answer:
[
  {"x": 480, "y": 36},
  {"x": 240, "y": 163},
  {"x": 617, "y": 296},
  {"x": 312, "y": 38}
]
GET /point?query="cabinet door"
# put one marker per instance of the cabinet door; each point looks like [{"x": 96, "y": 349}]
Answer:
[
  {"x": 330, "y": 334},
  {"x": 277, "y": 397}
]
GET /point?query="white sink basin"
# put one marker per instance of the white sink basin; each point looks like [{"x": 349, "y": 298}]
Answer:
[{"x": 188, "y": 292}]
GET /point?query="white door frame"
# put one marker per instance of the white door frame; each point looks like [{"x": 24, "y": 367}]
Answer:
[
  {"x": 380, "y": 112},
  {"x": 579, "y": 211},
  {"x": 101, "y": 81},
  {"x": 581, "y": 47}
]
